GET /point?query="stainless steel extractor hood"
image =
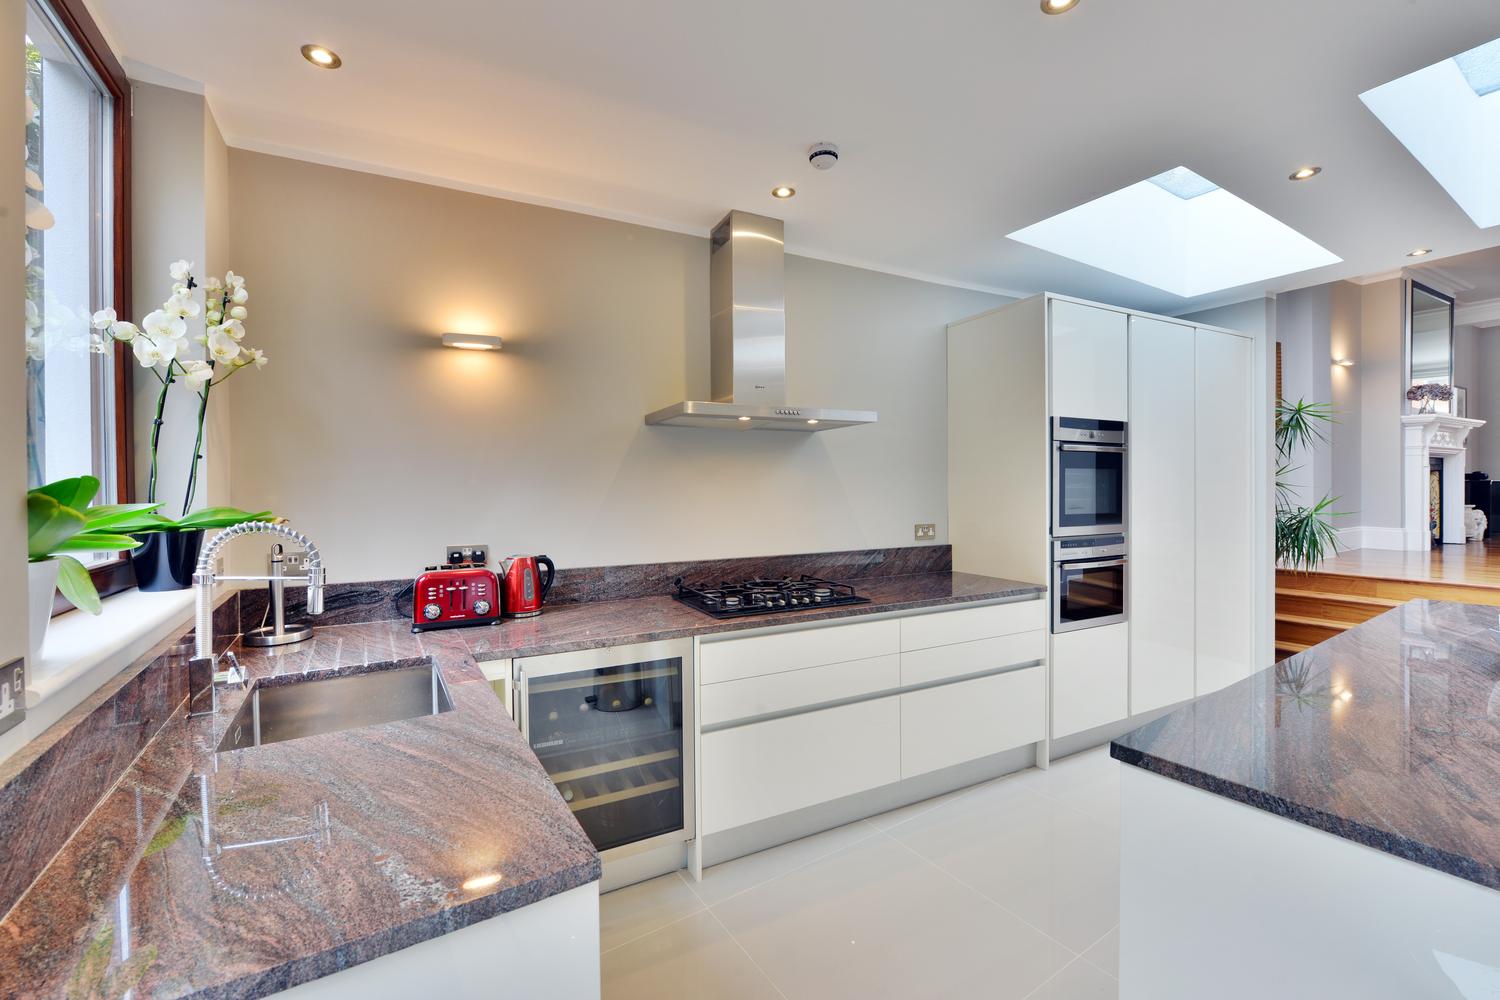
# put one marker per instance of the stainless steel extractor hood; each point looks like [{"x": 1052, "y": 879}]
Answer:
[{"x": 747, "y": 346}]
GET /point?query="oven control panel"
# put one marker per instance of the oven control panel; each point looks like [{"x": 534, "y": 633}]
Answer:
[{"x": 1088, "y": 547}]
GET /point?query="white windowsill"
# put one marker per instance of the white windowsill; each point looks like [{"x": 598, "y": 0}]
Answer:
[{"x": 82, "y": 653}]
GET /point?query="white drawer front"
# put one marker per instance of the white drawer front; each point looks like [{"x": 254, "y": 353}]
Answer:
[
  {"x": 735, "y": 659},
  {"x": 754, "y": 772},
  {"x": 744, "y": 699},
  {"x": 960, "y": 722},
  {"x": 1090, "y": 678},
  {"x": 943, "y": 628},
  {"x": 926, "y": 666}
]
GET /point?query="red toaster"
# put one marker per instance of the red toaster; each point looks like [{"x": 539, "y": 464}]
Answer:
[{"x": 453, "y": 596}]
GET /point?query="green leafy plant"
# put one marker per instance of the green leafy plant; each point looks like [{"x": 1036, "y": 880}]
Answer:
[
  {"x": 1305, "y": 534},
  {"x": 60, "y": 522}
]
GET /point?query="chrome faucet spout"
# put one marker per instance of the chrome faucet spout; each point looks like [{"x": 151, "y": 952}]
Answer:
[{"x": 204, "y": 662}]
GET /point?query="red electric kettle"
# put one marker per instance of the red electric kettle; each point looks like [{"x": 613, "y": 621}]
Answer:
[{"x": 523, "y": 586}]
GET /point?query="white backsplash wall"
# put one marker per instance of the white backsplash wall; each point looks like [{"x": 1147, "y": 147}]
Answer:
[{"x": 384, "y": 447}]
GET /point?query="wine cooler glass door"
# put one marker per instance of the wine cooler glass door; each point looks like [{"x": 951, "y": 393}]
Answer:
[{"x": 612, "y": 737}]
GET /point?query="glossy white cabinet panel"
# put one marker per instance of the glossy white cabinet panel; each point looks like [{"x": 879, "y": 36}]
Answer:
[
  {"x": 1090, "y": 678},
  {"x": 1088, "y": 347},
  {"x": 771, "y": 693},
  {"x": 753, "y": 772},
  {"x": 1225, "y": 530},
  {"x": 940, "y": 663},
  {"x": 941, "y": 628},
  {"x": 752, "y": 656},
  {"x": 1163, "y": 510},
  {"x": 967, "y": 720}
]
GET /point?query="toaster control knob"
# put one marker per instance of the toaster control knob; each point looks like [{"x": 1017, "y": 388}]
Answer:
[
  {"x": 481, "y": 607},
  {"x": 431, "y": 611}
]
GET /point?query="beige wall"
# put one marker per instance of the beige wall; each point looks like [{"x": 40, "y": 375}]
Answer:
[
  {"x": 180, "y": 195},
  {"x": 385, "y": 447},
  {"x": 1381, "y": 374},
  {"x": 13, "y": 372}
]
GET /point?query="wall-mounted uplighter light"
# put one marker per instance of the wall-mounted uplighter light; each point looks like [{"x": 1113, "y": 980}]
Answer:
[
  {"x": 1344, "y": 362},
  {"x": 471, "y": 341}
]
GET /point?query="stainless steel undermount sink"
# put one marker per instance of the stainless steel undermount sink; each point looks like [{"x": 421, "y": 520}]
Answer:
[{"x": 289, "y": 711}]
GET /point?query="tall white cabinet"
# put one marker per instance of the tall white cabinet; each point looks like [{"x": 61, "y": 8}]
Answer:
[
  {"x": 1224, "y": 529},
  {"x": 1197, "y": 405},
  {"x": 1163, "y": 505}
]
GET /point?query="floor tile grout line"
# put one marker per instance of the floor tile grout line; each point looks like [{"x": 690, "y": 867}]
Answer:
[
  {"x": 790, "y": 871},
  {"x": 1084, "y": 954},
  {"x": 670, "y": 923},
  {"x": 740, "y": 945},
  {"x": 989, "y": 899},
  {"x": 1064, "y": 968}
]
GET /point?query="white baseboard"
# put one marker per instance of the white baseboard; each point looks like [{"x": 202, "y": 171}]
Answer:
[{"x": 1371, "y": 537}]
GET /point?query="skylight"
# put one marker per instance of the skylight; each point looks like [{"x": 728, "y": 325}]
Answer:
[
  {"x": 1448, "y": 117},
  {"x": 1180, "y": 232}
]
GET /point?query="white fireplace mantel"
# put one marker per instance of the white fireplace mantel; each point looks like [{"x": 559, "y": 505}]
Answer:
[{"x": 1426, "y": 436}]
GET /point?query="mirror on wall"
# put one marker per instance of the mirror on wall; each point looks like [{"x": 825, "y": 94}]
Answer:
[{"x": 1429, "y": 339}]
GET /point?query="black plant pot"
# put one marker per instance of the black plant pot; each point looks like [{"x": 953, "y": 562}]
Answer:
[{"x": 166, "y": 560}]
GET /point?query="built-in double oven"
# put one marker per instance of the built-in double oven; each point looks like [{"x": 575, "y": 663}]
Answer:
[{"x": 1089, "y": 553}]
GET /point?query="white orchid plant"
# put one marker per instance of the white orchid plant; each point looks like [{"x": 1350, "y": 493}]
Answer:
[{"x": 161, "y": 345}]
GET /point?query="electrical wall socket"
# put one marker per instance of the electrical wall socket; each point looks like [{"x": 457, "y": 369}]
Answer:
[
  {"x": 478, "y": 554},
  {"x": 926, "y": 532},
  {"x": 292, "y": 563}
]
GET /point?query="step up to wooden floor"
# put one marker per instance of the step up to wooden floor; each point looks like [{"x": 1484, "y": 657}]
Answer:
[
  {"x": 1288, "y": 648},
  {"x": 1390, "y": 589},
  {"x": 1306, "y": 630},
  {"x": 1343, "y": 609}
]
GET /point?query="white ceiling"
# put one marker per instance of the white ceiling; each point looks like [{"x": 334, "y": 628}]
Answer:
[{"x": 959, "y": 121}]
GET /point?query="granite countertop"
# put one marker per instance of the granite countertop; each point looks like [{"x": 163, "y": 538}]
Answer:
[
  {"x": 1387, "y": 735},
  {"x": 566, "y": 627},
  {"x": 360, "y": 842},
  {"x": 363, "y": 839}
]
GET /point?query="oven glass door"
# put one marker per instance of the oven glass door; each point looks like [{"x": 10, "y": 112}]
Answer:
[
  {"x": 1088, "y": 486},
  {"x": 612, "y": 740},
  {"x": 1089, "y": 593}
]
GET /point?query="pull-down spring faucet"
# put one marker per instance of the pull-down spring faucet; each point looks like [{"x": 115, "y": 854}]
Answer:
[{"x": 204, "y": 675}]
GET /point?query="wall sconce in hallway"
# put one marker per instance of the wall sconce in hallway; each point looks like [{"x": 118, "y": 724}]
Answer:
[
  {"x": 471, "y": 341},
  {"x": 1344, "y": 362}
]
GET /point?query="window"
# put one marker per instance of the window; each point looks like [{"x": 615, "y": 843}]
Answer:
[{"x": 77, "y": 138}]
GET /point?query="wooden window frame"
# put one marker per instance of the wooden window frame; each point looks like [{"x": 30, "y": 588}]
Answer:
[{"x": 116, "y": 575}]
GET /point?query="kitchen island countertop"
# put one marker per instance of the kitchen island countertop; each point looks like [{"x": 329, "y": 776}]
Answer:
[{"x": 1387, "y": 735}]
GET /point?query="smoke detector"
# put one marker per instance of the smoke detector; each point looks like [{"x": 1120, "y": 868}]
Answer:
[{"x": 823, "y": 155}]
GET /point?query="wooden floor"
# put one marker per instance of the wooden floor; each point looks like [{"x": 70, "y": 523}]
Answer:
[
  {"x": 1474, "y": 563},
  {"x": 1355, "y": 586}
]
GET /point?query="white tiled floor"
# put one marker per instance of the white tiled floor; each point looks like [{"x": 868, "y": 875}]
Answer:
[{"x": 1004, "y": 891}]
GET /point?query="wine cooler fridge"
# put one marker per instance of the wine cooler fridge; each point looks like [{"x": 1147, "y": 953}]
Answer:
[{"x": 612, "y": 728}]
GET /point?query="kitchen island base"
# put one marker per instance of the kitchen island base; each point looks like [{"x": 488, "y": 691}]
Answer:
[
  {"x": 1312, "y": 914},
  {"x": 548, "y": 949}
]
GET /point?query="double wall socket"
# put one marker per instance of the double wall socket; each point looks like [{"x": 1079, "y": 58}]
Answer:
[
  {"x": 293, "y": 563},
  {"x": 926, "y": 532},
  {"x": 477, "y": 554}
]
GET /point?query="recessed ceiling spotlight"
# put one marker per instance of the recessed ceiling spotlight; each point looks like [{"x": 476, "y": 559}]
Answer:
[
  {"x": 783, "y": 192},
  {"x": 1304, "y": 173},
  {"x": 1420, "y": 252},
  {"x": 1058, "y": 6},
  {"x": 321, "y": 56}
]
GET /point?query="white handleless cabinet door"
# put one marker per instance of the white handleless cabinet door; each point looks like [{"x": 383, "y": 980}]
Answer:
[
  {"x": 1162, "y": 513},
  {"x": 1090, "y": 678},
  {"x": 1088, "y": 361},
  {"x": 1225, "y": 571}
]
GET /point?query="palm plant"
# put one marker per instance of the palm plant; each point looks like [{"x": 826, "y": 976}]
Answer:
[{"x": 1305, "y": 535}]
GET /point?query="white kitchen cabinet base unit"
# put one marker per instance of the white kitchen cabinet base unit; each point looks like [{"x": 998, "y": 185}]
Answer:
[
  {"x": 953, "y": 723},
  {"x": 777, "y": 830},
  {"x": 1090, "y": 678},
  {"x": 1220, "y": 899},
  {"x": 548, "y": 949}
]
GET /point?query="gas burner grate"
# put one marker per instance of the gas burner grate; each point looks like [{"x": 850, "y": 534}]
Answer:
[{"x": 761, "y": 597}]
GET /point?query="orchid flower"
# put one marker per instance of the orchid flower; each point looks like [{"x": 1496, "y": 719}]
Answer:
[
  {"x": 197, "y": 372},
  {"x": 161, "y": 325},
  {"x": 222, "y": 347},
  {"x": 103, "y": 319}
]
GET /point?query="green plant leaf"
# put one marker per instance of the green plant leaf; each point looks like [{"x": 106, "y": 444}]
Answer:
[
  {"x": 77, "y": 492},
  {"x": 97, "y": 541},
  {"x": 219, "y": 517},
  {"x": 111, "y": 515},
  {"x": 76, "y": 585},
  {"x": 49, "y": 524}
]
